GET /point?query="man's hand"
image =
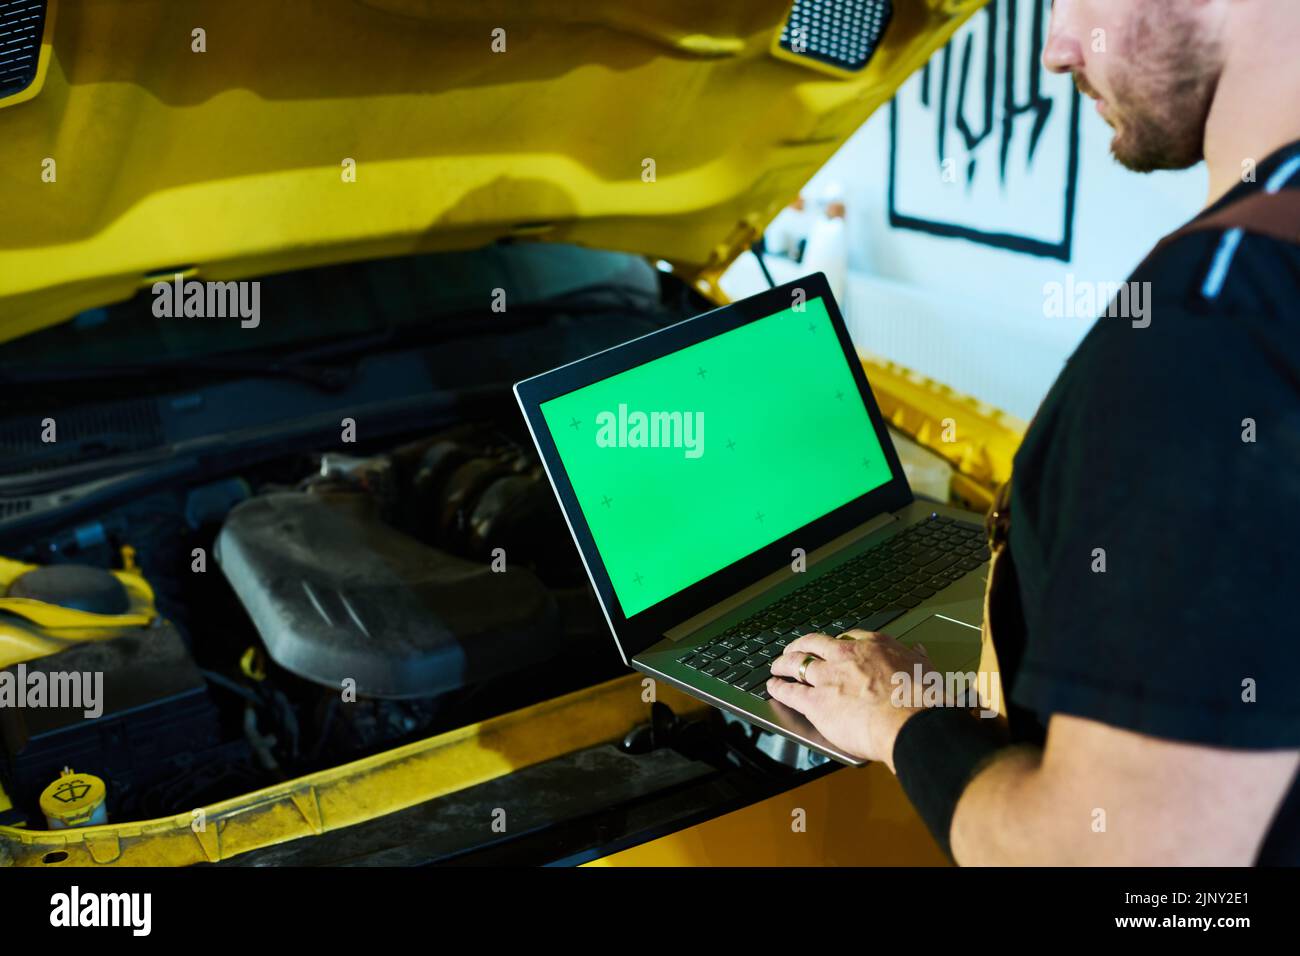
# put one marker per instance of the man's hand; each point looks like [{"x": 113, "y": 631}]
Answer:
[{"x": 851, "y": 697}]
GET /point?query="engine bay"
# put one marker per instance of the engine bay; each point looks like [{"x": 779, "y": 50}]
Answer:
[
  {"x": 322, "y": 562},
  {"x": 419, "y": 586}
]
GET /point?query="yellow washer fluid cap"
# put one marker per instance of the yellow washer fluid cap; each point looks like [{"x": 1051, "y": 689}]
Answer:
[{"x": 75, "y": 800}]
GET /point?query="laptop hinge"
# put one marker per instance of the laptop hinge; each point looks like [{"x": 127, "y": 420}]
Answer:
[{"x": 776, "y": 578}]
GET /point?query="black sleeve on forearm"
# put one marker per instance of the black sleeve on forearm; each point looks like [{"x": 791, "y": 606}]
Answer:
[{"x": 936, "y": 755}]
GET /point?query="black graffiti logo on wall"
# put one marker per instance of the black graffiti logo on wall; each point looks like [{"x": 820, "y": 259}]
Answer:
[{"x": 984, "y": 142}]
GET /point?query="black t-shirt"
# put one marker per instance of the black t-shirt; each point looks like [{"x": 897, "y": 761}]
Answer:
[{"x": 1172, "y": 454}]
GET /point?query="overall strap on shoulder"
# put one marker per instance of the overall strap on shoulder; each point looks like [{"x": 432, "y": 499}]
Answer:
[{"x": 1275, "y": 215}]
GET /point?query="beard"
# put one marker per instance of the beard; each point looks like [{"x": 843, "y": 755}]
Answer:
[{"x": 1162, "y": 99}]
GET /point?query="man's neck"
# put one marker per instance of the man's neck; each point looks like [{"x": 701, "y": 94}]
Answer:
[{"x": 1253, "y": 114}]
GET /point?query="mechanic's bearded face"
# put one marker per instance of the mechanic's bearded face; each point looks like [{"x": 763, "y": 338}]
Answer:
[{"x": 1152, "y": 66}]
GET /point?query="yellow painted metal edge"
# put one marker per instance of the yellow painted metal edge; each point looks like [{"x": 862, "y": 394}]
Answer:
[
  {"x": 979, "y": 441},
  {"x": 355, "y": 792},
  {"x": 42, "y": 61}
]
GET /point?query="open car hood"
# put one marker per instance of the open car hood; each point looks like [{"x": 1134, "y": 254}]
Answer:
[{"x": 670, "y": 128}]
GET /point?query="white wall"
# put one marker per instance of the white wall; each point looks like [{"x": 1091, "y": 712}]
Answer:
[{"x": 969, "y": 314}]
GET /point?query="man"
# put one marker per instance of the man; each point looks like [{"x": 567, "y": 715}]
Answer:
[{"x": 1147, "y": 637}]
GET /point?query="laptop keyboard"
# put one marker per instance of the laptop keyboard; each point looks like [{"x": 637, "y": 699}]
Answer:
[{"x": 864, "y": 593}]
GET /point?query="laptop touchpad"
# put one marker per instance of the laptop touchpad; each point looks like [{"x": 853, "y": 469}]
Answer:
[{"x": 951, "y": 646}]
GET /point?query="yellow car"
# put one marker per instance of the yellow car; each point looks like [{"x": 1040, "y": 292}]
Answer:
[{"x": 267, "y": 272}]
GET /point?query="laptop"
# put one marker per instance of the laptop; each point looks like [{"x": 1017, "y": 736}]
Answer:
[{"x": 731, "y": 485}]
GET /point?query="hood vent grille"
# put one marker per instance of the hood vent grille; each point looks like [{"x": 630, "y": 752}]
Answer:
[
  {"x": 842, "y": 34},
  {"x": 22, "y": 25}
]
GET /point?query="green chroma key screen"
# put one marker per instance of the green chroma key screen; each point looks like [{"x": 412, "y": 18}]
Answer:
[{"x": 688, "y": 463}]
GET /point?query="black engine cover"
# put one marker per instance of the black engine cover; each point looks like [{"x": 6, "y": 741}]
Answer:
[{"x": 336, "y": 594}]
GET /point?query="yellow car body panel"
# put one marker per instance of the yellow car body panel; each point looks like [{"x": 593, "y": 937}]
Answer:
[{"x": 312, "y": 132}]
